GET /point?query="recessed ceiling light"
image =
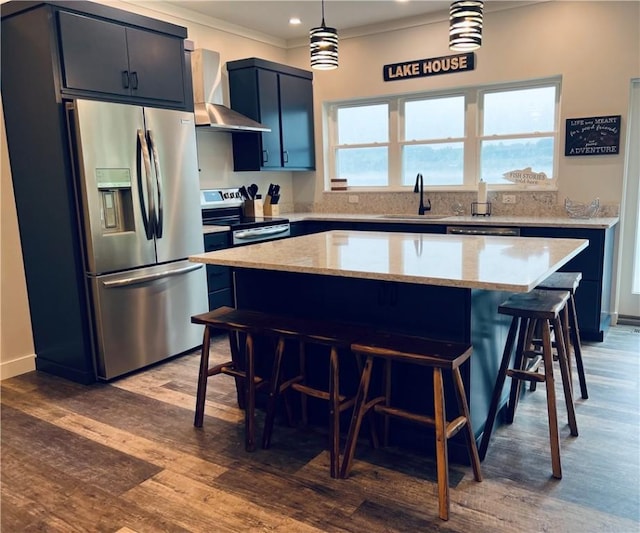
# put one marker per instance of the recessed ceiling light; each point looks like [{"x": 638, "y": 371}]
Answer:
[{"x": 294, "y": 21}]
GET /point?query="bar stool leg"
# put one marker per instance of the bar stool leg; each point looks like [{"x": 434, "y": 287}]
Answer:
[
  {"x": 531, "y": 334},
  {"x": 274, "y": 388},
  {"x": 304, "y": 413},
  {"x": 577, "y": 347},
  {"x": 235, "y": 341},
  {"x": 564, "y": 323},
  {"x": 442, "y": 459},
  {"x": 566, "y": 379},
  {"x": 519, "y": 364},
  {"x": 373, "y": 435},
  {"x": 334, "y": 413},
  {"x": 250, "y": 390},
  {"x": 497, "y": 389},
  {"x": 203, "y": 375},
  {"x": 359, "y": 409},
  {"x": 387, "y": 395},
  {"x": 471, "y": 439},
  {"x": 554, "y": 437}
]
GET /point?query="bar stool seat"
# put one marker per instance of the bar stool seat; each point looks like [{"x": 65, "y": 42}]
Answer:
[
  {"x": 437, "y": 355},
  {"x": 538, "y": 309},
  {"x": 569, "y": 281}
]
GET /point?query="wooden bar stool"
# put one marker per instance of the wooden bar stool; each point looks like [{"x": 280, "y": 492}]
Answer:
[
  {"x": 569, "y": 281},
  {"x": 541, "y": 309},
  {"x": 234, "y": 322},
  {"x": 424, "y": 352},
  {"x": 337, "y": 337}
]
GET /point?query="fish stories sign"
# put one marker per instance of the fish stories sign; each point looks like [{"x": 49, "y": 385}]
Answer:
[
  {"x": 592, "y": 136},
  {"x": 434, "y": 66}
]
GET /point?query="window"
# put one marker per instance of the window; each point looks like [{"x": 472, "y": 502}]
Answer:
[
  {"x": 433, "y": 141},
  {"x": 453, "y": 139},
  {"x": 362, "y": 151},
  {"x": 518, "y": 132}
]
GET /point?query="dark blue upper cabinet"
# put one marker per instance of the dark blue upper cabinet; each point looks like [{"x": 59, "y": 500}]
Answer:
[
  {"x": 107, "y": 59},
  {"x": 281, "y": 97}
]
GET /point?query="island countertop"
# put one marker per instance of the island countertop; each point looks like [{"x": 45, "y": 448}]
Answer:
[{"x": 515, "y": 264}]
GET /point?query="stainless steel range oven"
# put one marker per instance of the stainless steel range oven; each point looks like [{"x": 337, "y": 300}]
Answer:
[{"x": 223, "y": 207}]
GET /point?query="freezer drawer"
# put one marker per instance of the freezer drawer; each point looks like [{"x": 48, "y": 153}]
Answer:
[{"x": 144, "y": 316}]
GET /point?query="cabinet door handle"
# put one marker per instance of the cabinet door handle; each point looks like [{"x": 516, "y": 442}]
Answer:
[
  {"x": 285, "y": 156},
  {"x": 265, "y": 156},
  {"x": 125, "y": 79},
  {"x": 134, "y": 80}
]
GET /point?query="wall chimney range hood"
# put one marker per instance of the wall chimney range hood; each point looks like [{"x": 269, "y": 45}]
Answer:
[{"x": 207, "y": 96}]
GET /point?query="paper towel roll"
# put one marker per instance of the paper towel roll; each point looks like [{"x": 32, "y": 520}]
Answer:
[{"x": 482, "y": 192}]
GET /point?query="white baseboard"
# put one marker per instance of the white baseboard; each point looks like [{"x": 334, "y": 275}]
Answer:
[{"x": 21, "y": 365}]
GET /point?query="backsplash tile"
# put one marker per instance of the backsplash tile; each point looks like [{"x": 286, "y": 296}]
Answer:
[{"x": 528, "y": 203}]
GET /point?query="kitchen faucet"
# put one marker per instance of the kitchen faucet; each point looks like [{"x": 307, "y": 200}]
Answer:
[{"x": 422, "y": 209}]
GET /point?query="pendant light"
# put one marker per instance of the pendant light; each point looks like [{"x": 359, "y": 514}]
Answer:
[
  {"x": 465, "y": 25},
  {"x": 323, "y": 44}
]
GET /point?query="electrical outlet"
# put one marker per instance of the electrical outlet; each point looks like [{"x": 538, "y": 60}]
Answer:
[
  {"x": 508, "y": 198},
  {"x": 353, "y": 199}
]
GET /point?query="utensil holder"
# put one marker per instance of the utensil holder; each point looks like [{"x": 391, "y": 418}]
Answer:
[{"x": 253, "y": 208}]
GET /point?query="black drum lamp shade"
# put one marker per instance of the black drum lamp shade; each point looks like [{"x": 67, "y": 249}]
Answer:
[
  {"x": 323, "y": 44},
  {"x": 465, "y": 25}
]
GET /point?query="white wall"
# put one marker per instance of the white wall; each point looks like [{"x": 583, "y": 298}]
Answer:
[
  {"x": 16, "y": 342},
  {"x": 595, "y": 46}
]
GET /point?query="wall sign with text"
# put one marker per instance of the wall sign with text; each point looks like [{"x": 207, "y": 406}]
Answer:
[
  {"x": 434, "y": 66},
  {"x": 592, "y": 136}
]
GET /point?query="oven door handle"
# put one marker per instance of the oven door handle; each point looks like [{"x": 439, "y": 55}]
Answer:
[{"x": 251, "y": 233}]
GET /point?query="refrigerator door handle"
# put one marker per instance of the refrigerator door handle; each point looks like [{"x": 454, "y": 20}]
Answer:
[
  {"x": 156, "y": 162},
  {"x": 147, "y": 213},
  {"x": 151, "y": 277}
]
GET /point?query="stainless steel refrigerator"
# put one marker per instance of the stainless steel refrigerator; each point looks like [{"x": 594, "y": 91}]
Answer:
[{"x": 136, "y": 177}]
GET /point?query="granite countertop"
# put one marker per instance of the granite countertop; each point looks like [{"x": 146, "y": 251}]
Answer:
[
  {"x": 215, "y": 229},
  {"x": 515, "y": 264},
  {"x": 451, "y": 220}
]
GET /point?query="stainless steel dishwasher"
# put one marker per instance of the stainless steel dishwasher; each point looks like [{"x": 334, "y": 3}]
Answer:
[{"x": 484, "y": 230}]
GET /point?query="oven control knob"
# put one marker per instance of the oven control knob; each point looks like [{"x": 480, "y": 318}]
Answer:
[{"x": 225, "y": 195}]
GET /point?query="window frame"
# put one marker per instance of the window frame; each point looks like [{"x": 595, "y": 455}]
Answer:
[{"x": 473, "y": 117}]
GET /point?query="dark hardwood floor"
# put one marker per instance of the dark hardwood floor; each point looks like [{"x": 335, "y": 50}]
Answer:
[{"x": 125, "y": 457}]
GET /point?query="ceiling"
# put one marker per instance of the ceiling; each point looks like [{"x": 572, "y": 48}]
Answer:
[{"x": 272, "y": 17}]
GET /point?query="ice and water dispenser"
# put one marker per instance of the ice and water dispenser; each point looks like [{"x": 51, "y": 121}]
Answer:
[{"x": 114, "y": 188}]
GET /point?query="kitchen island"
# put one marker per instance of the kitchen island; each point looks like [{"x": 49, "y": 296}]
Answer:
[
  {"x": 593, "y": 297},
  {"x": 447, "y": 287}
]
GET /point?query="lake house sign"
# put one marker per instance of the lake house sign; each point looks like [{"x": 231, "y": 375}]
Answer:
[{"x": 434, "y": 66}]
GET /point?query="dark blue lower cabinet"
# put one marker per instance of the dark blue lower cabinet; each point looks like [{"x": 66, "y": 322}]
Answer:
[{"x": 219, "y": 278}]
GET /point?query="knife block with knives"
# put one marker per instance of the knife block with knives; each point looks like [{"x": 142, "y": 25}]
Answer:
[{"x": 271, "y": 207}]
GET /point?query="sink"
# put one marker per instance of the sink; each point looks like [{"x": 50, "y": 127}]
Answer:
[{"x": 429, "y": 216}]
